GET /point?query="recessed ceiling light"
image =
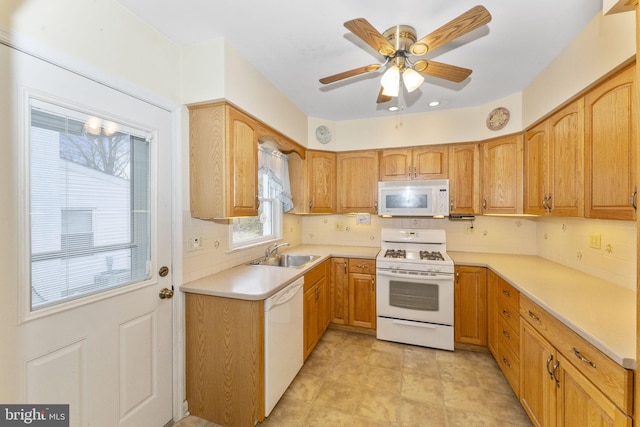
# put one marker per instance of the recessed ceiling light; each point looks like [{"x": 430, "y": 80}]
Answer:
[
  {"x": 394, "y": 108},
  {"x": 434, "y": 103}
]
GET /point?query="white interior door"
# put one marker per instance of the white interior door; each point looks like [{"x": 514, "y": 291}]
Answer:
[{"x": 106, "y": 353}]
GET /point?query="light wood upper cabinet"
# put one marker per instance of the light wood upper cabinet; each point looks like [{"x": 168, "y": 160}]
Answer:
[
  {"x": 554, "y": 165},
  {"x": 420, "y": 163},
  {"x": 313, "y": 182},
  {"x": 610, "y": 148},
  {"x": 223, "y": 162},
  {"x": 357, "y": 182},
  {"x": 502, "y": 174},
  {"x": 464, "y": 179}
]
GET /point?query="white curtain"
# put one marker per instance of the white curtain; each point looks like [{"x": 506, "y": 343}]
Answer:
[{"x": 275, "y": 165}]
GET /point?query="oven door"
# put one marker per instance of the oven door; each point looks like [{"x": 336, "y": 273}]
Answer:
[{"x": 424, "y": 297}]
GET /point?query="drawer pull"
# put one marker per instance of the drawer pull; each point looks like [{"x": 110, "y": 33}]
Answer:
[
  {"x": 506, "y": 334},
  {"x": 506, "y": 313},
  {"x": 506, "y": 292},
  {"x": 506, "y": 362},
  {"x": 554, "y": 377},
  {"x": 549, "y": 371},
  {"x": 582, "y": 358},
  {"x": 362, "y": 266},
  {"x": 533, "y": 316}
]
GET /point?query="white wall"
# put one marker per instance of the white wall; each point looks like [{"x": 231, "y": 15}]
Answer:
[{"x": 100, "y": 38}]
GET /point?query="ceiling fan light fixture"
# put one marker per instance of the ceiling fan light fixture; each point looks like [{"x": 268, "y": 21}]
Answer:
[
  {"x": 412, "y": 79},
  {"x": 390, "y": 81}
]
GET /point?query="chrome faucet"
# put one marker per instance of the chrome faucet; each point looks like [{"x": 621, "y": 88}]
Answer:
[{"x": 273, "y": 251}]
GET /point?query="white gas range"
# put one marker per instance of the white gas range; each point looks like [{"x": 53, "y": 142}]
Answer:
[{"x": 414, "y": 298}]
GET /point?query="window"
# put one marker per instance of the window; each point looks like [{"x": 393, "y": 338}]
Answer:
[
  {"x": 89, "y": 205},
  {"x": 274, "y": 196}
]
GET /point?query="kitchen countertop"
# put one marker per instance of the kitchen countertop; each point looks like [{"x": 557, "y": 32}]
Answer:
[
  {"x": 601, "y": 312},
  {"x": 258, "y": 282}
]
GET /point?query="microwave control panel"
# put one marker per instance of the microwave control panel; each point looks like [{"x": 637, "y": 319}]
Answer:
[{"x": 443, "y": 201}]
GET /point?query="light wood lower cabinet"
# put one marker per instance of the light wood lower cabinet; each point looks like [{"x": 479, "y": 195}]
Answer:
[
  {"x": 353, "y": 292},
  {"x": 316, "y": 306},
  {"x": 362, "y": 293},
  {"x": 225, "y": 359},
  {"x": 564, "y": 381},
  {"x": 470, "y": 305}
]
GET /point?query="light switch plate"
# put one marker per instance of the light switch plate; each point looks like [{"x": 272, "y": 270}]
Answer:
[{"x": 595, "y": 240}]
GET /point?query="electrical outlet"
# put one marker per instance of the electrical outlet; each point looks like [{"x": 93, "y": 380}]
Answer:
[
  {"x": 595, "y": 240},
  {"x": 195, "y": 243},
  {"x": 363, "y": 219}
]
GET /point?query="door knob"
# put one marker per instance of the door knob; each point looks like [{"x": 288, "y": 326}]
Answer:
[{"x": 166, "y": 293}]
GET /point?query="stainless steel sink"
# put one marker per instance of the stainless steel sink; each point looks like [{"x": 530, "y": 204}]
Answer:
[{"x": 286, "y": 260}]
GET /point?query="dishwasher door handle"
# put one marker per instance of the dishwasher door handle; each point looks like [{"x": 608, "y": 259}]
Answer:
[{"x": 282, "y": 298}]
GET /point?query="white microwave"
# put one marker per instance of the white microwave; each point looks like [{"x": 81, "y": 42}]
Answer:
[{"x": 413, "y": 198}]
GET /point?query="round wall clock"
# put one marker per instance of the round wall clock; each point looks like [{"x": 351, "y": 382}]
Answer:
[
  {"x": 498, "y": 118},
  {"x": 323, "y": 134}
]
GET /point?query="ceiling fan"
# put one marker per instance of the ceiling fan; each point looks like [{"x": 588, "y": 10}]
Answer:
[{"x": 399, "y": 45}]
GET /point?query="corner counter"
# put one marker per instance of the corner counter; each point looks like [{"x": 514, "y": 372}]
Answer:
[{"x": 601, "y": 312}]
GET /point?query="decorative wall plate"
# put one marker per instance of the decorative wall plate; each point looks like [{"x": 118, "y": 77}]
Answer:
[
  {"x": 498, "y": 118},
  {"x": 323, "y": 134}
]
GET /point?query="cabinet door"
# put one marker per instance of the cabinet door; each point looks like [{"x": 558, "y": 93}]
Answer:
[
  {"x": 242, "y": 163},
  {"x": 536, "y": 156},
  {"x": 566, "y": 161},
  {"x": 537, "y": 384},
  {"x": 324, "y": 305},
  {"x": 610, "y": 148},
  {"x": 310, "y": 307},
  {"x": 580, "y": 403},
  {"x": 321, "y": 181},
  {"x": 430, "y": 162},
  {"x": 470, "y": 308},
  {"x": 395, "y": 164},
  {"x": 362, "y": 300},
  {"x": 492, "y": 312},
  {"x": 464, "y": 179},
  {"x": 358, "y": 182},
  {"x": 339, "y": 291},
  {"x": 502, "y": 171}
]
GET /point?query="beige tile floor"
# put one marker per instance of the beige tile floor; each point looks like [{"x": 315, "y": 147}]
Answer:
[{"x": 352, "y": 380}]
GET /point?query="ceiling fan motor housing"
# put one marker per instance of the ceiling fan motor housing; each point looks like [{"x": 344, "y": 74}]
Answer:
[{"x": 401, "y": 38}]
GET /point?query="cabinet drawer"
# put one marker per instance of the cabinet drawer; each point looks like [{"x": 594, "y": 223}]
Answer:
[
  {"x": 508, "y": 294},
  {"x": 508, "y": 336},
  {"x": 366, "y": 266},
  {"x": 509, "y": 314},
  {"x": 510, "y": 365},
  {"x": 612, "y": 379},
  {"x": 312, "y": 277}
]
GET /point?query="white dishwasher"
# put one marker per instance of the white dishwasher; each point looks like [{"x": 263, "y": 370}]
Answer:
[{"x": 283, "y": 335}]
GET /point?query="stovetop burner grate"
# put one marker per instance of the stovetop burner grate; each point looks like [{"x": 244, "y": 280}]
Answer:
[
  {"x": 395, "y": 253},
  {"x": 431, "y": 255}
]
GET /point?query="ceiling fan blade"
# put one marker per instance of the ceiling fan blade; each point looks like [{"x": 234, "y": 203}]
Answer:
[
  {"x": 350, "y": 73},
  {"x": 442, "y": 71},
  {"x": 382, "y": 98},
  {"x": 365, "y": 31},
  {"x": 468, "y": 21}
]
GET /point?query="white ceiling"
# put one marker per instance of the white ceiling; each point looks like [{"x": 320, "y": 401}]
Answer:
[{"x": 293, "y": 43}]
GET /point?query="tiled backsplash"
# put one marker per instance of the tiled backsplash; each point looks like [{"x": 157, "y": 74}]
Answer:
[{"x": 566, "y": 241}]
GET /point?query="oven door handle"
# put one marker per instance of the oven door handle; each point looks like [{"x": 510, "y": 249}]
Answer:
[
  {"x": 418, "y": 324},
  {"x": 387, "y": 273}
]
